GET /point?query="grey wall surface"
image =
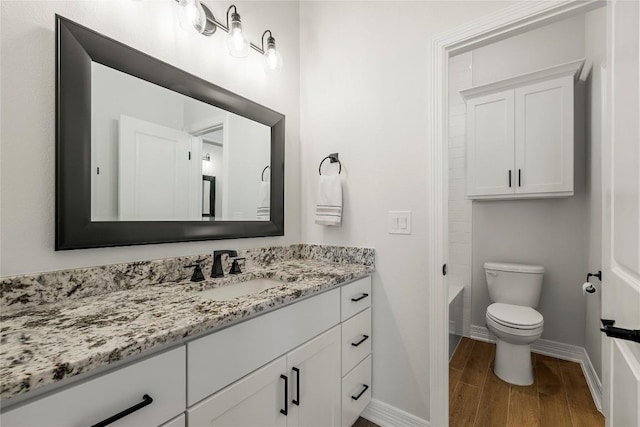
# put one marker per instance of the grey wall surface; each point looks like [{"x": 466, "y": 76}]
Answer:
[{"x": 549, "y": 232}]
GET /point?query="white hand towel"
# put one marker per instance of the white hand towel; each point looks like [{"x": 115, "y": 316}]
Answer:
[
  {"x": 329, "y": 202},
  {"x": 264, "y": 201}
]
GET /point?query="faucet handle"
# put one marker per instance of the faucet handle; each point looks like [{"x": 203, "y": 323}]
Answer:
[
  {"x": 235, "y": 266},
  {"x": 197, "y": 275}
]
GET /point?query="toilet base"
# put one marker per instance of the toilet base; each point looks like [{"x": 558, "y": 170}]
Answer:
[{"x": 513, "y": 363}]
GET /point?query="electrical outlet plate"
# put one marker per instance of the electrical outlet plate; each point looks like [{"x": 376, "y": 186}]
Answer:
[{"x": 399, "y": 222}]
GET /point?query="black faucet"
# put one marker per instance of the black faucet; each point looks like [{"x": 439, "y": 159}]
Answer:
[{"x": 216, "y": 271}]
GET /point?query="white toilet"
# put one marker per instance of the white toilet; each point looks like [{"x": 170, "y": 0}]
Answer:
[{"x": 515, "y": 291}]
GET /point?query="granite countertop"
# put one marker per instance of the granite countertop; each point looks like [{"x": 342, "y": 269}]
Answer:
[{"x": 49, "y": 342}]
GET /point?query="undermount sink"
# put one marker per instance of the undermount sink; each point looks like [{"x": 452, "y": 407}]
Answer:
[{"x": 227, "y": 292}]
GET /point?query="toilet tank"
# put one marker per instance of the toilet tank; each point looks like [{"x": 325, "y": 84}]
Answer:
[{"x": 518, "y": 284}]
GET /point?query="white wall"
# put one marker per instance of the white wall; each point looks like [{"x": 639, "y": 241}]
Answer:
[
  {"x": 28, "y": 113},
  {"x": 364, "y": 94},
  {"x": 544, "y": 47},
  {"x": 595, "y": 49},
  {"x": 248, "y": 149}
]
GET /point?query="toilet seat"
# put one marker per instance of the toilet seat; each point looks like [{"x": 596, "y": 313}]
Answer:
[{"x": 515, "y": 316}]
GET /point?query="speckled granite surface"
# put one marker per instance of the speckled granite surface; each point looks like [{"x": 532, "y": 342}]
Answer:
[
  {"x": 33, "y": 290},
  {"x": 58, "y": 325}
]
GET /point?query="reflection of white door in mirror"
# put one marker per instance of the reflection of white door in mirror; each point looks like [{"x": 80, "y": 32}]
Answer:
[
  {"x": 236, "y": 150},
  {"x": 159, "y": 170}
]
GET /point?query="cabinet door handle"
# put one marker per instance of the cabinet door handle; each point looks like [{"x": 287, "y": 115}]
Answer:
[
  {"x": 146, "y": 400},
  {"x": 296, "y": 401},
  {"x": 366, "y": 387},
  {"x": 519, "y": 177},
  {"x": 509, "y": 178},
  {"x": 365, "y": 337},
  {"x": 285, "y": 411},
  {"x": 360, "y": 298}
]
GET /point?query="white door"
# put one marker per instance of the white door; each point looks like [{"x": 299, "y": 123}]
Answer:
[
  {"x": 544, "y": 137},
  {"x": 159, "y": 173},
  {"x": 314, "y": 373},
  {"x": 254, "y": 401},
  {"x": 621, "y": 215},
  {"x": 490, "y": 144}
]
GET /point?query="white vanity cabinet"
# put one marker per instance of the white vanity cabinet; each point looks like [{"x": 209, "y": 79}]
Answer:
[
  {"x": 520, "y": 135},
  {"x": 314, "y": 378},
  {"x": 318, "y": 350},
  {"x": 356, "y": 349},
  {"x": 160, "y": 377},
  {"x": 293, "y": 366},
  {"x": 301, "y": 388}
]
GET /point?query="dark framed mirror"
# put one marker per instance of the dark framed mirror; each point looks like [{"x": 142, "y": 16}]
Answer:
[{"x": 135, "y": 139}]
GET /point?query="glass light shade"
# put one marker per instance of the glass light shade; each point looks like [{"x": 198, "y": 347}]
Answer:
[
  {"x": 237, "y": 42},
  {"x": 272, "y": 60},
  {"x": 192, "y": 16}
]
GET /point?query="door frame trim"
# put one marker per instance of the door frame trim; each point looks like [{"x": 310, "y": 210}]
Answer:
[{"x": 504, "y": 23}]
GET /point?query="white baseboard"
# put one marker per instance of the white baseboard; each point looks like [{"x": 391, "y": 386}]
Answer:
[
  {"x": 559, "y": 350},
  {"x": 386, "y": 415}
]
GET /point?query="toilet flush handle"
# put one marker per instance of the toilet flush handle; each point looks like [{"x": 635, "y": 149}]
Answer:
[{"x": 492, "y": 273}]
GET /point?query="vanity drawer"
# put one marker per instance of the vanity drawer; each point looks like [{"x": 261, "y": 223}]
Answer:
[
  {"x": 161, "y": 377},
  {"x": 356, "y": 340},
  {"x": 355, "y": 297},
  {"x": 356, "y": 392},
  {"x": 221, "y": 358}
]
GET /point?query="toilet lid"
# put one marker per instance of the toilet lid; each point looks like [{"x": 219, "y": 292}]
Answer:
[{"x": 515, "y": 316}]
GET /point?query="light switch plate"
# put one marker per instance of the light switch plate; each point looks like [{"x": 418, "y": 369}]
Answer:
[{"x": 399, "y": 222}]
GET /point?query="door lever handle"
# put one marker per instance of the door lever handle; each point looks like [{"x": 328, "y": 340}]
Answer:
[{"x": 621, "y": 333}]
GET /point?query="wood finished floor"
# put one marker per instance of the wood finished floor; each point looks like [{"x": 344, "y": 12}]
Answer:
[
  {"x": 361, "y": 422},
  {"x": 558, "y": 397}
]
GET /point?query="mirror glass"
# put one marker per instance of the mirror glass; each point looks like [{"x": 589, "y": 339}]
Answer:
[{"x": 158, "y": 155}]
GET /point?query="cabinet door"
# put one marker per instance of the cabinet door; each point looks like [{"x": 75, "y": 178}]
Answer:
[
  {"x": 544, "y": 137},
  {"x": 255, "y": 400},
  {"x": 490, "y": 144},
  {"x": 314, "y": 372}
]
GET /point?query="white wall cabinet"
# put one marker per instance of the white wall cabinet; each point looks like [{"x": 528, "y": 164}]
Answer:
[{"x": 520, "y": 135}]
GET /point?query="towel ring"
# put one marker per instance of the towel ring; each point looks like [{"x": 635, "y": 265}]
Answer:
[
  {"x": 263, "y": 171},
  {"x": 334, "y": 159}
]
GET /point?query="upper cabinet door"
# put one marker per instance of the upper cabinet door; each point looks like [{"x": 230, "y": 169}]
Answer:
[
  {"x": 544, "y": 137},
  {"x": 490, "y": 144}
]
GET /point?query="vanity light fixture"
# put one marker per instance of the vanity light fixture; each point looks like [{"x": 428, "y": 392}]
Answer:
[
  {"x": 272, "y": 58},
  {"x": 237, "y": 42},
  {"x": 195, "y": 16}
]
